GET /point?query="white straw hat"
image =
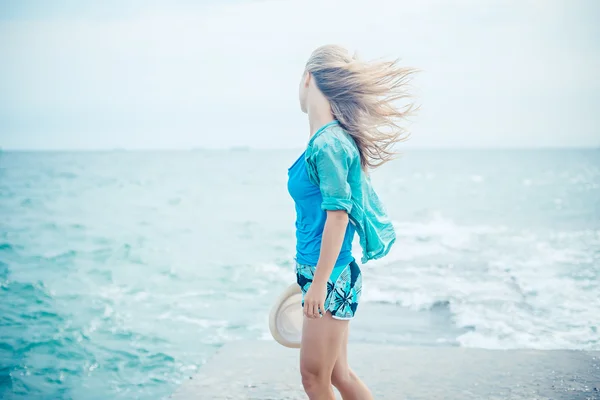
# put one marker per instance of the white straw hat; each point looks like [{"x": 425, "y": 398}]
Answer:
[{"x": 285, "y": 320}]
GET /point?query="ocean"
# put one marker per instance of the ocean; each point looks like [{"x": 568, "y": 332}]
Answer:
[{"x": 122, "y": 272}]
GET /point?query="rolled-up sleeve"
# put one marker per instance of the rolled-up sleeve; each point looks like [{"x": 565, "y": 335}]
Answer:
[{"x": 333, "y": 163}]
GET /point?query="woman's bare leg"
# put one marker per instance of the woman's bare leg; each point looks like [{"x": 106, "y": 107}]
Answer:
[
  {"x": 344, "y": 379},
  {"x": 321, "y": 341}
]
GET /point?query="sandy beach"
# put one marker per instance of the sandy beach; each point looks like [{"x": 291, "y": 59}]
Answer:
[{"x": 264, "y": 370}]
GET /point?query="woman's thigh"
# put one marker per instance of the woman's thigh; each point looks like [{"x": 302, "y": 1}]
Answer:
[
  {"x": 341, "y": 370},
  {"x": 322, "y": 339}
]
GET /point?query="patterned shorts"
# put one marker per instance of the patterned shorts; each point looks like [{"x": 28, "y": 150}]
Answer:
[{"x": 343, "y": 288}]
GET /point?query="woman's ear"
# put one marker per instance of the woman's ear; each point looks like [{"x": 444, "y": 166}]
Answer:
[{"x": 307, "y": 78}]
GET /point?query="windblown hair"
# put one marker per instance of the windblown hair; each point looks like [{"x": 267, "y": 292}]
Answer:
[{"x": 364, "y": 98}]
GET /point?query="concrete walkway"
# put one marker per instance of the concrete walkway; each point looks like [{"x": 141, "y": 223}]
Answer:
[{"x": 265, "y": 370}]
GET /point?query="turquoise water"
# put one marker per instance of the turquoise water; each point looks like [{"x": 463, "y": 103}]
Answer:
[{"x": 122, "y": 272}]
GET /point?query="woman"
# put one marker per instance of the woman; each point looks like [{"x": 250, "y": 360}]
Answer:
[{"x": 353, "y": 116}]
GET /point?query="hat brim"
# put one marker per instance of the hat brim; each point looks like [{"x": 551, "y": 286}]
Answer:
[{"x": 285, "y": 320}]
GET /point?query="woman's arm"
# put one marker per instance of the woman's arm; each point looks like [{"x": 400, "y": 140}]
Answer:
[
  {"x": 332, "y": 160},
  {"x": 331, "y": 244}
]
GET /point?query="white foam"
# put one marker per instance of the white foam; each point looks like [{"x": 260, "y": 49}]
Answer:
[
  {"x": 510, "y": 289},
  {"x": 201, "y": 322},
  {"x": 477, "y": 178}
]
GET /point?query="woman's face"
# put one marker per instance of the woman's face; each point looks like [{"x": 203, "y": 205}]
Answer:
[{"x": 303, "y": 90}]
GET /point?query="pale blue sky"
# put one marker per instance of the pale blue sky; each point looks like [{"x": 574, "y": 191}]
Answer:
[{"x": 181, "y": 74}]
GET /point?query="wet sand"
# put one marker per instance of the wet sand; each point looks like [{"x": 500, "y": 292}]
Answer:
[{"x": 265, "y": 370}]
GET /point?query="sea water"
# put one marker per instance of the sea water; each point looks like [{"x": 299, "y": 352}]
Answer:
[{"x": 121, "y": 273}]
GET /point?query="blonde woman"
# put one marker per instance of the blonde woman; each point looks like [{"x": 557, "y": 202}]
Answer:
[{"x": 353, "y": 115}]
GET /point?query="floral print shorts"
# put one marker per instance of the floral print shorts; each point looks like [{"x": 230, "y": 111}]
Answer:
[{"x": 343, "y": 288}]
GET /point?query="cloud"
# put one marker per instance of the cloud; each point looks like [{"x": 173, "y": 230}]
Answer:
[{"x": 500, "y": 74}]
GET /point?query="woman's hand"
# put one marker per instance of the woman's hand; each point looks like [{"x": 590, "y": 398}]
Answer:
[{"x": 314, "y": 299}]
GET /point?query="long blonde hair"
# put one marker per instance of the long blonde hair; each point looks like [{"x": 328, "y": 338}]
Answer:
[{"x": 364, "y": 99}]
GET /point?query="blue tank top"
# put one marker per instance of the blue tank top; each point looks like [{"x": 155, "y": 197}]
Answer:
[{"x": 310, "y": 218}]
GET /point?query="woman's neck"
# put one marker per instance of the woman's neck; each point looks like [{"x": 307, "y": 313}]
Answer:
[{"x": 319, "y": 116}]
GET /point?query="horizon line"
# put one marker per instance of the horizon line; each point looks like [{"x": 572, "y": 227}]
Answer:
[{"x": 250, "y": 148}]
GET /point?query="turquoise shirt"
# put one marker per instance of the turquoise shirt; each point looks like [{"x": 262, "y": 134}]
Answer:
[
  {"x": 333, "y": 164},
  {"x": 310, "y": 218}
]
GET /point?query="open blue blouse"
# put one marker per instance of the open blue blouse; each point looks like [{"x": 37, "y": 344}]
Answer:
[
  {"x": 333, "y": 165},
  {"x": 310, "y": 218}
]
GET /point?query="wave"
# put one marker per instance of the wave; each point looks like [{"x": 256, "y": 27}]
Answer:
[
  {"x": 6, "y": 247},
  {"x": 509, "y": 289}
]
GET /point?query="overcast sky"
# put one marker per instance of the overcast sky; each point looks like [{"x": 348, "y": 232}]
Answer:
[{"x": 182, "y": 74}]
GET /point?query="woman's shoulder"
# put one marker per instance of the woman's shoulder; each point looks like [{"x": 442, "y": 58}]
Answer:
[{"x": 334, "y": 139}]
